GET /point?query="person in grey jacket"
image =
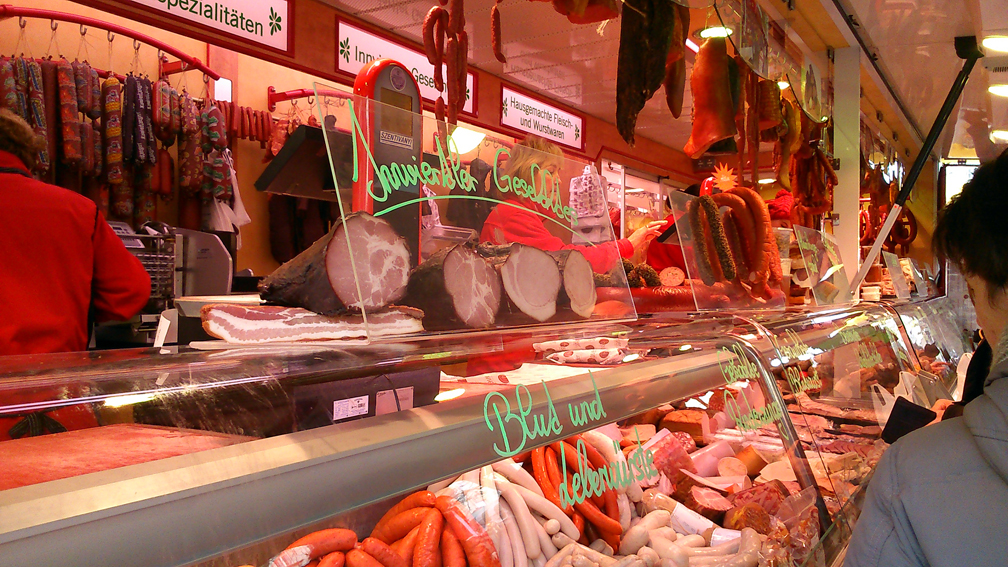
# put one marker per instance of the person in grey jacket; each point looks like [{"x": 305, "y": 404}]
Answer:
[{"x": 939, "y": 495}]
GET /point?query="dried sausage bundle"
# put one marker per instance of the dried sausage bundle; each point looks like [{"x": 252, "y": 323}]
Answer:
[
  {"x": 144, "y": 204},
  {"x": 112, "y": 116},
  {"x": 82, "y": 84},
  {"x": 121, "y": 199},
  {"x": 21, "y": 87},
  {"x": 94, "y": 113},
  {"x": 129, "y": 118},
  {"x": 8, "y": 86},
  {"x": 69, "y": 124},
  {"x": 36, "y": 105},
  {"x": 96, "y": 128}
]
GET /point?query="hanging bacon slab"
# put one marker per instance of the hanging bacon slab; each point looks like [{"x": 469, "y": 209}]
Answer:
[{"x": 713, "y": 110}]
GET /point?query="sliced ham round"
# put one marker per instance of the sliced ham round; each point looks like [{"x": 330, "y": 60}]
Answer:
[
  {"x": 532, "y": 281},
  {"x": 456, "y": 288},
  {"x": 321, "y": 279}
]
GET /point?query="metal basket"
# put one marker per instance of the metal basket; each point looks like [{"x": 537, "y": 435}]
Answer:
[{"x": 159, "y": 259}]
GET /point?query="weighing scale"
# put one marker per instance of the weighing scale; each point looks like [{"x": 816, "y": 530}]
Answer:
[{"x": 393, "y": 130}]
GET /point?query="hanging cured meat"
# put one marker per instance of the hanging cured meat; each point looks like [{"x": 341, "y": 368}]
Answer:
[
  {"x": 645, "y": 36},
  {"x": 713, "y": 110},
  {"x": 675, "y": 62},
  {"x": 455, "y": 288},
  {"x": 787, "y": 143},
  {"x": 321, "y": 279}
]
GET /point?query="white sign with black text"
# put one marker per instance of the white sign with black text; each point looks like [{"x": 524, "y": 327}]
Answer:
[
  {"x": 358, "y": 47},
  {"x": 259, "y": 21},
  {"x": 522, "y": 112}
]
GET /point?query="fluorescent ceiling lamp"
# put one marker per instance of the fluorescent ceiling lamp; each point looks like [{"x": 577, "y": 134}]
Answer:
[
  {"x": 998, "y": 90},
  {"x": 128, "y": 399},
  {"x": 999, "y": 135},
  {"x": 783, "y": 84},
  {"x": 996, "y": 43},
  {"x": 715, "y": 31},
  {"x": 449, "y": 395},
  {"x": 466, "y": 140},
  {"x": 692, "y": 46},
  {"x": 766, "y": 181}
]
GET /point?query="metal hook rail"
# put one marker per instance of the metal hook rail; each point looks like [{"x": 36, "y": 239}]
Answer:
[
  {"x": 186, "y": 62},
  {"x": 273, "y": 97}
]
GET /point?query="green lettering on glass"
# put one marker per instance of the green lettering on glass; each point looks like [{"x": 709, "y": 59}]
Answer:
[
  {"x": 542, "y": 188},
  {"x": 592, "y": 411},
  {"x": 868, "y": 355},
  {"x": 542, "y": 424},
  {"x": 792, "y": 351},
  {"x": 754, "y": 418},
  {"x": 799, "y": 383},
  {"x": 736, "y": 366},
  {"x": 587, "y": 483},
  {"x": 848, "y": 336}
]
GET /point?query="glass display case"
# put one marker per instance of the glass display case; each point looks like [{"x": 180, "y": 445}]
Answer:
[
  {"x": 838, "y": 371},
  {"x": 226, "y": 456}
]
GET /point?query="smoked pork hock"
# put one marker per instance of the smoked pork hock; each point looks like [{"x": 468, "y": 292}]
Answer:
[
  {"x": 321, "y": 279},
  {"x": 455, "y": 288}
]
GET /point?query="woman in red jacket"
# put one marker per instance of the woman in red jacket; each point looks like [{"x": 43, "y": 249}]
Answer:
[
  {"x": 60, "y": 263},
  {"x": 529, "y": 187}
]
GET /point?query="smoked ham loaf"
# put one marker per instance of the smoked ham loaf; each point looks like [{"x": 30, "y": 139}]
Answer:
[{"x": 321, "y": 279}]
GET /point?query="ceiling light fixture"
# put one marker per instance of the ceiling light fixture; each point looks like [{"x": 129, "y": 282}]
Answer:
[
  {"x": 466, "y": 140},
  {"x": 783, "y": 84},
  {"x": 996, "y": 43},
  {"x": 999, "y": 135},
  {"x": 715, "y": 31},
  {"x": 692, "y": 46},
  {"x": 766, "y": 181},
  {"x": 998, "y": 90}
]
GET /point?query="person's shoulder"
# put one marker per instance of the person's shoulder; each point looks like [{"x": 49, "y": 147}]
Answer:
[
  {"x": 59, "y": 198},
  {"x": 917, "y": 456}
]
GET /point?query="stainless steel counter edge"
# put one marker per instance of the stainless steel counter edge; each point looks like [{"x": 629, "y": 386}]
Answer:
[{"x": 184, "y": 509}]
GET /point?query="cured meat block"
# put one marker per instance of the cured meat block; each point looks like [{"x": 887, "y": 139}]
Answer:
[
  {"x": 749, "y": 515},
  {"x": 578, "y": 290},
  {"x": 769, "y": 496},
  {"x": 455, "y": 288},
  {"x": 708, "y": 503},
  {"x": 694, "y": 422},
  {"x": 530, "y": 276},
  {"x": 243, "y": 324},
  {"x": 322, "y": 279},
  {"x": 670, "y": 457}
]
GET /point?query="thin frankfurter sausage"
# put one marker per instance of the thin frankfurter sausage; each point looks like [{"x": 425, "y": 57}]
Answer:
[
  {"x": 334, "y": 559},
  {"x": 400, "y": 525},
  {"x": 427, "y": 552},
  {"x": 382, "y": 552},
  {"x": 324, "y": 542},
  {"x": 357, "y": 558},
  {"x": 404, "y": 547},
  {"x": 475, "y": 541},
  {"x": 423, "y": 498},
  {"x": 526, "y": 523},
  {"x": 452, "y": 554}
]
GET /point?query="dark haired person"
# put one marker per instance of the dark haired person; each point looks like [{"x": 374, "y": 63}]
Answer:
[
  {"x": 939, "y": 494},
  {"x": 59, "y": 260}
]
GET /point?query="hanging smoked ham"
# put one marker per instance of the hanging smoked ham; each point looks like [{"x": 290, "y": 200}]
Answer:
[
  {"x": 645, "y": 36},
  {"x": 713, "y": 109},
  {"x": 675, "y": 62}
]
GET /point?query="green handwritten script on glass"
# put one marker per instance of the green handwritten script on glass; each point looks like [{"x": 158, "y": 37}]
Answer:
[
  {"x": 585, "y": 480},
  {"x": 735, "y": 366},
  {"x": 540, "y": 186}
]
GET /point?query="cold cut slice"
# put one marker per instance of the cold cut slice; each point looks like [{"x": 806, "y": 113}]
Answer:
[
  {"x": 708, "y": 503},
  {"x": 243, "y": 324},
  {"x": 532, "y": 281},
  {"x": 578, "y": 289},
  {"x": 456, "y": 288},
  {"x": 322, "y": 278}
]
